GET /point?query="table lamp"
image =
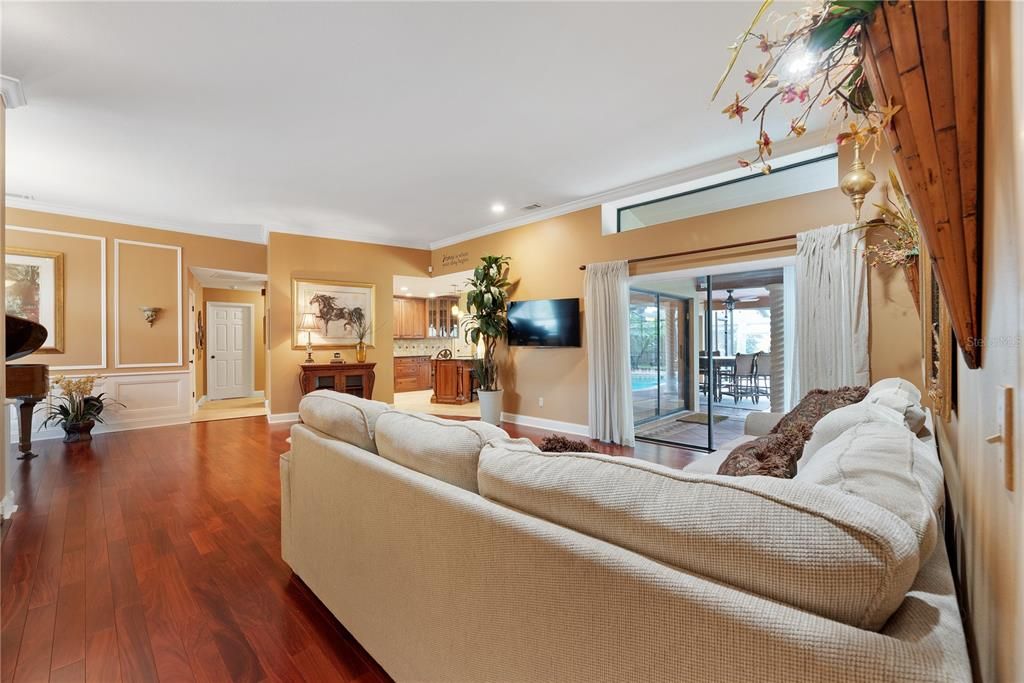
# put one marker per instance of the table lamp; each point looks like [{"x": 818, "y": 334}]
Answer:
[{"x": 309, "y": 326}]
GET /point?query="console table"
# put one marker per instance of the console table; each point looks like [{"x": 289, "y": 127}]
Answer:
[{"x": 350, "y": 378}]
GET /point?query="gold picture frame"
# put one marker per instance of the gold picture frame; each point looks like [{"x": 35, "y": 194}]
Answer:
[
  {"x": 938, "y": 349},
  {"x": 334, "y": 311},
  {"x": 34, "y": 289}
]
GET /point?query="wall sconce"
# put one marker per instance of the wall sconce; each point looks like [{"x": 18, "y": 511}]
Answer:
[{"x": 150, "y": 313}]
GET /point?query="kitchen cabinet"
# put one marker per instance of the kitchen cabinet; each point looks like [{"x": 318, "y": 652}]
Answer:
[
  {"x": 412, "y": 373},
  {"x": 454, "y": 381},
  {"x": 410, "y": 318},
  {"x": 439, "y": 316}
]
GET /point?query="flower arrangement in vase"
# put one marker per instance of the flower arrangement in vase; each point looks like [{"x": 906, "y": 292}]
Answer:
[
  {"x": 903, "y": 248},
  {"x": 75, "y": 409},
  {"x": 361, "y": 328}
]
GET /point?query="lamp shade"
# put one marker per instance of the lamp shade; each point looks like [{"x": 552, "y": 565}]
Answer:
[{"x": 308, "y": 323}]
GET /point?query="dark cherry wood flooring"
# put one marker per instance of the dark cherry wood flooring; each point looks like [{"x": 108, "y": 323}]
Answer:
[{"x": 154, "y": 555}]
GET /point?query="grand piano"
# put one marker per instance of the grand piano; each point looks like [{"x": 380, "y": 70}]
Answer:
[{"x": 28, "y": 384}]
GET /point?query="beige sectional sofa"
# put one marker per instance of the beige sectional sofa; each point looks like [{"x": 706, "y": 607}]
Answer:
[{"x": 584, "y": 567}]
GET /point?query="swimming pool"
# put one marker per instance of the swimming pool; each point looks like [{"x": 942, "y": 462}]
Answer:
[{"x": 641, "y": 382}]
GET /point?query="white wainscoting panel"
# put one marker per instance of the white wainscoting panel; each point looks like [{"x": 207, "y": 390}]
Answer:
[{"x": 152, "y": 399}]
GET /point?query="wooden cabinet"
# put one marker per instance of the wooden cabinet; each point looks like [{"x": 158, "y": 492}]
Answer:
[
  {"x": 349, "y": 378},
  {"x": 454, "y": 381},
  {"x": 412, "y": 373},
  {"x": 440, "y": 318},
  {"x": 410, "y": 318}
]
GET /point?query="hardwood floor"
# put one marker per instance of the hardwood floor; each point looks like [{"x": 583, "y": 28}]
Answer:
[{"x": 155, "y": 555}]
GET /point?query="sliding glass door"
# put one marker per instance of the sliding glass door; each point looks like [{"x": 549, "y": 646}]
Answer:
[
  {"x": 706, "y": 351},
  {"x": 664, "y": 379}
]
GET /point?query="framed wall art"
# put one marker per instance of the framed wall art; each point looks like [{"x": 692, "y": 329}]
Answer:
[
  {"x": 34, "y": 289},
  {"x": 343, "y": 311}
]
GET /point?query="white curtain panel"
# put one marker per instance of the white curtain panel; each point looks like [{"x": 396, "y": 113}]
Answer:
[
  {"x": 607, "y": 313},
  {"x": 832, "y": 310}
]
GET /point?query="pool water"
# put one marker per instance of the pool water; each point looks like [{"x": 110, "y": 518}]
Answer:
[{"x": 641, "y": 382}]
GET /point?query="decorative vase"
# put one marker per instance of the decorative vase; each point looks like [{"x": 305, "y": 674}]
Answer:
[
  {"x": 490, "y": 406},
  {"x": 75, "y": 432},
  {"x": 910, "y": 271},
  {"x": 361, "y": 352}
]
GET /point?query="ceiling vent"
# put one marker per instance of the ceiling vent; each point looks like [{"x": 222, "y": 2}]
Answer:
[{"x": 531, "y": 207}]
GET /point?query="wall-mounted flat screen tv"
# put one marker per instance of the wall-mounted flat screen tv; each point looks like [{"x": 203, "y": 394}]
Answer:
[{"x": 545, "y": 323}]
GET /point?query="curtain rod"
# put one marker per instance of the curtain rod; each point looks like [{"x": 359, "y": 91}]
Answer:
[{"x": 751, "y": 243}]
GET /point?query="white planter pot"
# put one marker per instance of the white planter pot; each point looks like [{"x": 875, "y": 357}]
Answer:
[{"x": 490, "y": 406}]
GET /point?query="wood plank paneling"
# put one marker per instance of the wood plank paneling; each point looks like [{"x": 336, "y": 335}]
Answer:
[{"x": 925, "y": 57}]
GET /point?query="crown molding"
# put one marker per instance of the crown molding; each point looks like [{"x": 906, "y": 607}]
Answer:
[
  {"x": 236, "y": 232},
  {"x": 12, "y": 92},
  {"x": 337, "y": 234},
  {"x": 785, "y": 147}
]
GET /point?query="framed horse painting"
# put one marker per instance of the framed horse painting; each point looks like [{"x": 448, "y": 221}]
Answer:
[{"x": 344, "y": 312}]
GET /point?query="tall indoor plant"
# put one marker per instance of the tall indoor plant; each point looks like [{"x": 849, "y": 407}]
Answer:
[{"x": 487, "y": 324}]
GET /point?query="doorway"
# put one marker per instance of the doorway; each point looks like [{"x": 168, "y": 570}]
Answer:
[
  {"x": 230, "y": 368},
  {"x": 707, "y": 348}
]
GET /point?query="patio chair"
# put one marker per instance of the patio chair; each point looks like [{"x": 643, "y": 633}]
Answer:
[
  {"x": 763, "y": 375},
  {"x": 741, "y": 382}
]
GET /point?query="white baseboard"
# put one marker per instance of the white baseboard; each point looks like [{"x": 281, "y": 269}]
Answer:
[
  {"x": 202, "y": 400},
  {"x": 119, "y": 426},
  {"x": 541, "y": 423},
  {"x": 274, "y": 418},
  {"x": 258, "y": 394},
  {"x": 7, "y": 506}
]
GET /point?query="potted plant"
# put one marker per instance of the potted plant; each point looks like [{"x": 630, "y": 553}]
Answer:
[
  {"x": 75, "y": 409},
  {"x": 487, "y": 322}
]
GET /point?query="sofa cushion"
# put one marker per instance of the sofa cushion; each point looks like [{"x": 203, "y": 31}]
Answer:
[
  {"x": 772, "y": 455},
  {"x": 884, "y": 463},
  {"x": 345, "y": 417},
  {"x": 818, "y": 403},
  {"x": 828, "y": 428},
  {"x": 444, "y": 449},
  {"x": 901, "y": 396},
  {"x": 812, "y": 547}
]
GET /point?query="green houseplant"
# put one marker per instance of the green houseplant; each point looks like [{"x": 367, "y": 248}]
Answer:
[
  {"x": 486, "y": 325},
  {"x": 75, "y": 409}
]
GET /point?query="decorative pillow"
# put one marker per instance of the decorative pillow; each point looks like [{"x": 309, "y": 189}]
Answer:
[
  {"x": 774, "y": 455},
  {"x": 904, "y": 399},
  {"x": 839, "y": 420},
  {"x": 560, "y": 444},
  {"x": 345, "y": 417},
  {"x": 818, "y": 403},
  {"x": 443, "y": 449},
  {"x": 896, "y": 383}
]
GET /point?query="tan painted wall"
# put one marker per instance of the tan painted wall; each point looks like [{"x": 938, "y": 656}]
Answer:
[
  {"x": 291, "y": 256},
  {"x": 545, "y": 264},
  {"x": 238, "y": 296},
  {"x": 989, "y": 517},
  {"x": 148, "y": 277}
]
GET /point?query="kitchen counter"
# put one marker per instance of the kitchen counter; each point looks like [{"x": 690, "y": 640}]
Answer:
[{"x": 454, "y": 380}]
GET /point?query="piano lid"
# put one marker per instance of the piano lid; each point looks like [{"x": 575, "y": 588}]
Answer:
[{"x": 23, "y": 337}]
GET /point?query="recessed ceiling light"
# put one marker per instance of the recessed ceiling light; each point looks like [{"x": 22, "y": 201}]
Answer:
[
  {"x": 431, "y": 295},
  {"x": 497, "y": 207},
  {"x": 404, "y": 289}
]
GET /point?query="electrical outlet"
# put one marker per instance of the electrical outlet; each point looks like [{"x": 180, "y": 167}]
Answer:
[{"x": 540, "y": 401}]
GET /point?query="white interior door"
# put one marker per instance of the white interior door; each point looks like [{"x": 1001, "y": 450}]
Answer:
[{"x": 229, "y": 364}]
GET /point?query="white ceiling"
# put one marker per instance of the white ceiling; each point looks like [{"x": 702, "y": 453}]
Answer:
[{"x": 388, "y": 122}]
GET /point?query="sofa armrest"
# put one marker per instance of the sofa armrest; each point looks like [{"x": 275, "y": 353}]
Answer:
[{"x": 759, "y": 424}]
